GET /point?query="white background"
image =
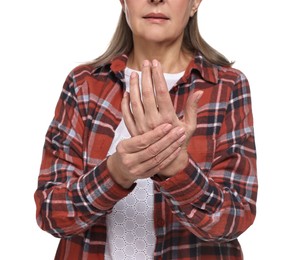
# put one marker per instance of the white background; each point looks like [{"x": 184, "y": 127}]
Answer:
[{"x": 41, "y": 41}]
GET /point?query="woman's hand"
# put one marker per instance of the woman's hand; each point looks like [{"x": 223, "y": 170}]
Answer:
[
  {"x": 144, "y": 112},
  {"x": 145, "y": 155}
]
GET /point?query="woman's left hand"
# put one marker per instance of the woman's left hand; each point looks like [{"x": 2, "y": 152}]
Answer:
[{"x": 143, "y": 112}]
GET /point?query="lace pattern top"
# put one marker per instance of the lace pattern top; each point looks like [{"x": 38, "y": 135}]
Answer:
[{"x": 130, "y": 225}]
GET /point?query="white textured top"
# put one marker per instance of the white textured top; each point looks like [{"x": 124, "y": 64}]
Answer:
[{"x": 130, "y": 225}]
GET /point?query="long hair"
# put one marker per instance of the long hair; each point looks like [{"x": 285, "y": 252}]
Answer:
[{"x": 122, "y": 43}]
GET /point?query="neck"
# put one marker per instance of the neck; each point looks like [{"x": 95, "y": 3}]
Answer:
[{"x": 172, "y": 58}]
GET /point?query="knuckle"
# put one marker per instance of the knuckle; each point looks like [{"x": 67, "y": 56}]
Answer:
[
  {"x": 134, "y": 104},
  {"x": 169, "y": 118},
  {"x": 146, "y": 93},
  {"x": 141, "y": 131},
  {"x": 152, "y": 124},
  {"x": 127, "y": 162},
  {"x": 120, "y": 147},
  {"x": 141, "y": 127},
  {"x": 162, "y": 90},
  {"x": 143, "y": 142},
  {"x": 153, "y": 150}
]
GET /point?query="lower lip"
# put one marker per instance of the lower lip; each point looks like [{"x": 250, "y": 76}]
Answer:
[{"x": 156, "y": 20}]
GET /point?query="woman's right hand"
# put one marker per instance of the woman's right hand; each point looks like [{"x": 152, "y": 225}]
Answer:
[{"x": 145, "y": 155}]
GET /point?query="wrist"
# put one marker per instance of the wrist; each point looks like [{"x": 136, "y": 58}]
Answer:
[{"x": 117, "y": 174}]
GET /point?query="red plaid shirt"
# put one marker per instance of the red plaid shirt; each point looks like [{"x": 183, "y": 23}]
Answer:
[{"x": 198, "y": 214}]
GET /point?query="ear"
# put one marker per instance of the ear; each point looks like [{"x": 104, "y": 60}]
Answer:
[
  {"x": 195, "y": 6},
  {"x": 122, "y": 2}
]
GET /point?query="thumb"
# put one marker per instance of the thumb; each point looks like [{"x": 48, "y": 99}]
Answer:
[{"x": 191, "y": 109}]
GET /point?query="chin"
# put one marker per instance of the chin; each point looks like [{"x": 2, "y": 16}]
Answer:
[{"x": 158, "y": 38}]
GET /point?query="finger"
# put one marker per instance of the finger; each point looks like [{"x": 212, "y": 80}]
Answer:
[
  {"x": 153, "y": 168},
  {"x": 140, "y": 142},
  {"x": 139, "y": 163},
  {"x": 135, "y": 100},
  {"x": 168, "y": 151},
  {"x": 159, "y": 150},
  {"x": 163, "y": 97},
  {"x": 127, "y": 115},
  {"x": 148, "y": 94},
  {"x": 168, "y": 160},
  {"x": 191, "y": 110}
]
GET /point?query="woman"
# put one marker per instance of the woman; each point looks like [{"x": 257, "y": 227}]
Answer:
[{"x": 151, "y": 152}]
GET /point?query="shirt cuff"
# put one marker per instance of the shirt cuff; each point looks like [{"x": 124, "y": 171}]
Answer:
[
  {"x": 190, "y": 186},
  {"x": 101, "y": 190}
]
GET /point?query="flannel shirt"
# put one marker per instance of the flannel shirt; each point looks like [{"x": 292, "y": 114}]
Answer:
[{"x": 198, "y": 213}]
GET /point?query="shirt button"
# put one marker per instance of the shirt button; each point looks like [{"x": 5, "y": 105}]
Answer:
[{"x": 160, "y": 222}]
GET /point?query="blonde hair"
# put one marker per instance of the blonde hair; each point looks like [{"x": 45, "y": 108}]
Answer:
[{"x": 122, "y": 43}]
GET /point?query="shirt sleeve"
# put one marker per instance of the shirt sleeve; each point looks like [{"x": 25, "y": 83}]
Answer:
[
  {"x": 70, "y": 199},
  {"x": 220, "y": 204}
]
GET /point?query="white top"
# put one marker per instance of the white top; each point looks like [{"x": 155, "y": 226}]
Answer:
[{"x": 130, "y": 225}]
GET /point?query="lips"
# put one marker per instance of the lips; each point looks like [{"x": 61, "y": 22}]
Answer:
[{"x": 156, "y": 16}]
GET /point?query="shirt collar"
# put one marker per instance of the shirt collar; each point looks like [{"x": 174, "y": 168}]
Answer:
[{"x": 207, "y": 70}]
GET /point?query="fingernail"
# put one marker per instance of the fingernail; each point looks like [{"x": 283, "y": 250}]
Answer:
[
  {"x": 167, "y": 128},
  {"x": 146, "y": 63},
  {"x": 182, "y": 139},
  {"x": 154, "y": 63},
  {"x": 181, "y": 131},
  {"x": 133, "y": 75}
]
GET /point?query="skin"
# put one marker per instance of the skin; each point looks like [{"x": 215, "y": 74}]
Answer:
[
  {"x": 159, "y": 140},
  {"x": 159, "y": 39}
]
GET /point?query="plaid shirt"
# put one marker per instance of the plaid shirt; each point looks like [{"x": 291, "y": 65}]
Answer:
[{"x": 198, "y": 213}]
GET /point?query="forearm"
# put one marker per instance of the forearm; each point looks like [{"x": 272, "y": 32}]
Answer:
[
  {"x": 71, "y": 207},
  {"x": 208, "y": 207}
]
